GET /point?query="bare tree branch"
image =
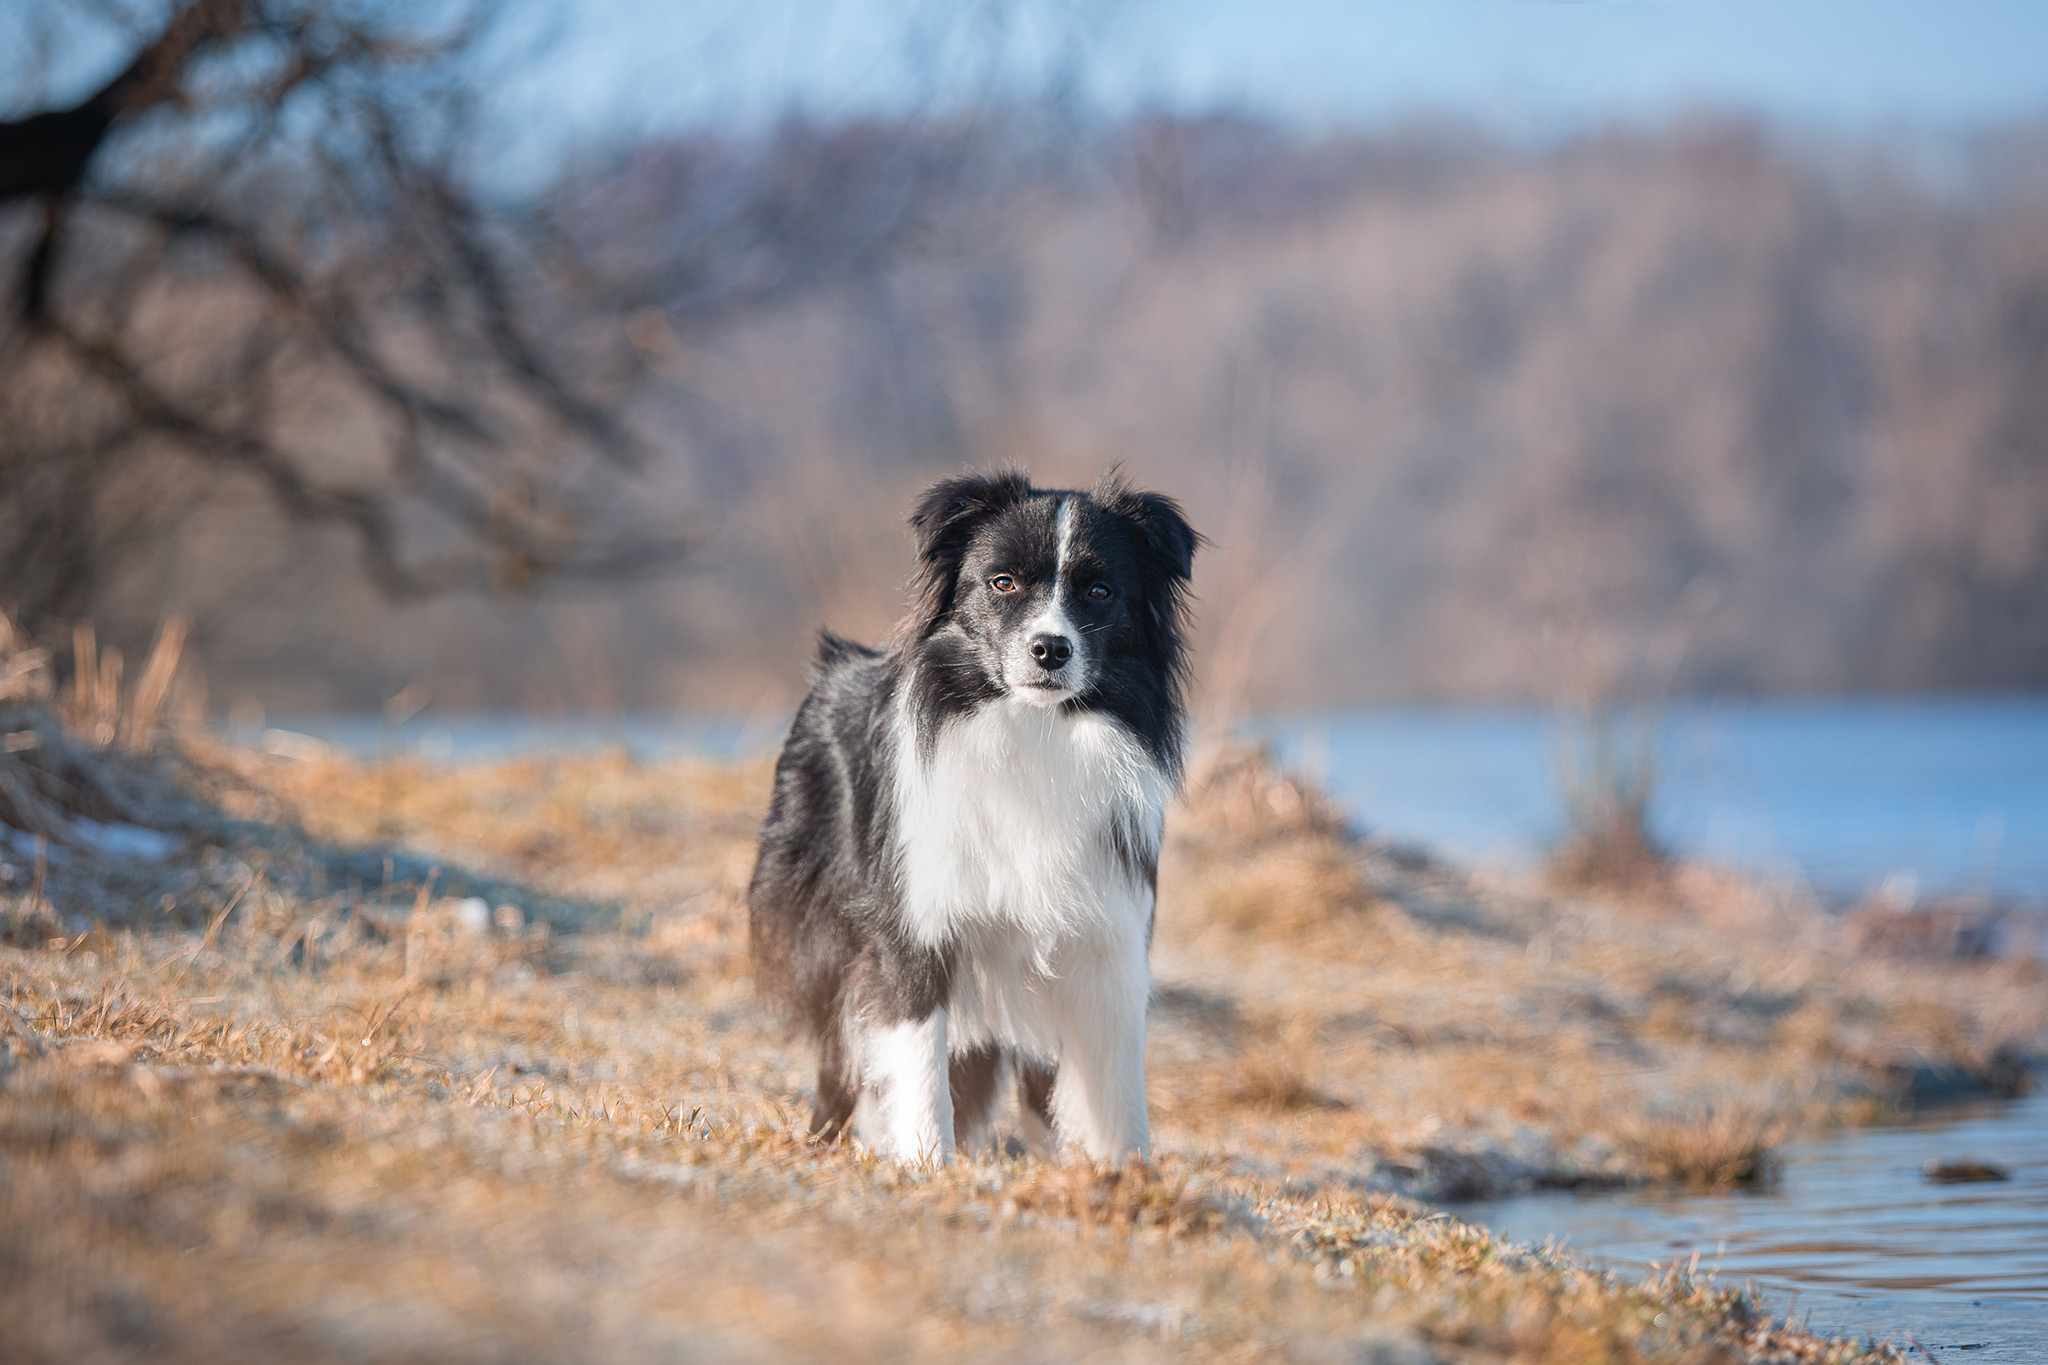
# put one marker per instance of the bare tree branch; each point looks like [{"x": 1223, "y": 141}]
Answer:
[{"x": 200, "y": 296}]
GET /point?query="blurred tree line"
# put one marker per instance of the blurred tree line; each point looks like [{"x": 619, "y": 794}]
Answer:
[{"x": 1694, "y": 408}]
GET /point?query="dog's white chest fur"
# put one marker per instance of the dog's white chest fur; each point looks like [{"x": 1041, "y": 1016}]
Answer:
[
  {"x": 1011, "y": 825},
  {"x": 1024, "y": 842}
]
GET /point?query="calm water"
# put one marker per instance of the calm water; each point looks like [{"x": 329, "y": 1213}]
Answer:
[
  {"x": 1850, "y": 1237},
  {"x": 482, "y": 736},
  {"x": 1934, "y": 796}
]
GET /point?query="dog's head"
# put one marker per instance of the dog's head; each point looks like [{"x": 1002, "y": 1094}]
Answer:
[{"x": 1052, "y": 596}]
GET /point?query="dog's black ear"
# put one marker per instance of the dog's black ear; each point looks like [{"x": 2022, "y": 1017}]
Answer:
[
  {"x": 951, "y": 507},
  {"x": 944, "y": 518},
  {"x": 1160, "y": 520},
  {"x": 1167, "y": 531}
]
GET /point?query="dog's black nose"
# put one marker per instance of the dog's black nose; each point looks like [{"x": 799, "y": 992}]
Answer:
[{"x": 1051, "y": 651}]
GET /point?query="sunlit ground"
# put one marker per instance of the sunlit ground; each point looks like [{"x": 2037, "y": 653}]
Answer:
[{"x": 298, "y": 1111}]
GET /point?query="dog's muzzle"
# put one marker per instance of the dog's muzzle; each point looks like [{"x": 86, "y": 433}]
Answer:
[
  {"x": 1049, "y": 667},
  {"x": 1051, "y": 652}
]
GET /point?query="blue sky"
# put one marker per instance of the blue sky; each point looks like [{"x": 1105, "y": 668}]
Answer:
[
  {"x": 596, "y": 67},
  {"x": 1830, "y": 63}
]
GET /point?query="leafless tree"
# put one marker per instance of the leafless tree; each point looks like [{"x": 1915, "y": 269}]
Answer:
[{"x": 260, "y": 261}]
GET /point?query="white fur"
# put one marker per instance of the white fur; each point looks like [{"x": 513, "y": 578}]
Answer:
[
  {"x": 906, "y": 1107},
  {"x": 1004, "y": 839},
  {"x": 1098, "y": 1102},
  {"x": 1009, "y": 822}
]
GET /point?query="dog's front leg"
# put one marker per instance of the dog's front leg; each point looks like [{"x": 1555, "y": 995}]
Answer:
[
  {"x": 1098, "y": 1100},
  {"x": 903, "y": 1073}
]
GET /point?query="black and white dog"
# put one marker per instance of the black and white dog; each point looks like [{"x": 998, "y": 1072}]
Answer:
[{"x": 957, "y": 872}]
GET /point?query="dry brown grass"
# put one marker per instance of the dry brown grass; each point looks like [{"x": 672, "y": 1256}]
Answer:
[
  {"x": 1269, "y": 1075},
  {"x": 1610, "y": 771},
  {"x": 359, "y": 1121},
  {"x": 1261, "y": 854},
  {"x": 1712, "y": 1146}
]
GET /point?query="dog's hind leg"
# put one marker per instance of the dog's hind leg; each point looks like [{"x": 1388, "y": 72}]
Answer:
[
  {"x": 1034, "y": 1106},
  {"x": 838, "y": 1090},
  {"x": 973, "y": 1076}
]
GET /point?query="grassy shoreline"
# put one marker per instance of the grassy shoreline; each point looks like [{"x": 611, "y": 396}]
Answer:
[{"x": 315, "y": 1104}]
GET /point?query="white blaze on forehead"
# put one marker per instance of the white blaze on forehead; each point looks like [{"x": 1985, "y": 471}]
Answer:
[
  {"x": 1053, "y": 620},
  {"x": 1065, "y": 519}
]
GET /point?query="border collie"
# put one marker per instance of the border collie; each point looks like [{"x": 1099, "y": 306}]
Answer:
[{"x": 957, "y": 873}]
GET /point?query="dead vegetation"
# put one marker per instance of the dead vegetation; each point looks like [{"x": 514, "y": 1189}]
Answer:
[
  {"x": 1712, "y": 1146},
  {"x": 1608, "y": 773},
  {"x": 95, "y": 756},
  {"x": 1270, "y": 1076},
  {"x": 1266, "y": 853},
  {"x": 394, "y": 1121}
]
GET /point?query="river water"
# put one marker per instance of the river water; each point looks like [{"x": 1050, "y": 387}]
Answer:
[
  {"x": 1933, "y": 796},
  {"x": 1850, "y": 1236}
]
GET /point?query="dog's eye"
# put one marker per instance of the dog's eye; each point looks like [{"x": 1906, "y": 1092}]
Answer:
[
  {"x": 1100, "y": 592},
  {"x": 1002, "y": 582}
]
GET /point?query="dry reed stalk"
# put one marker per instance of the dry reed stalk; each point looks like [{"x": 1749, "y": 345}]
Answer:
[
  {"x": 91, "y": 708},
  {"x": 85, "y": 675},
  {"x": 416, "y": 928},
  {"x": 1607, "y": 787},
  {"x": 1259, "y": 570},
  {"x": 153, "y": 690},
  {"x": 24, "y": 669},
  {"x": 24, "y": 679},
  {"x": 108, "y": 698}
]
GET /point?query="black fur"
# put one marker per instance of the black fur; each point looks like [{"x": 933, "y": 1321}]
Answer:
[
  {"x": 826, "y": 934},
  {"x": 972, "y": 1076}
]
